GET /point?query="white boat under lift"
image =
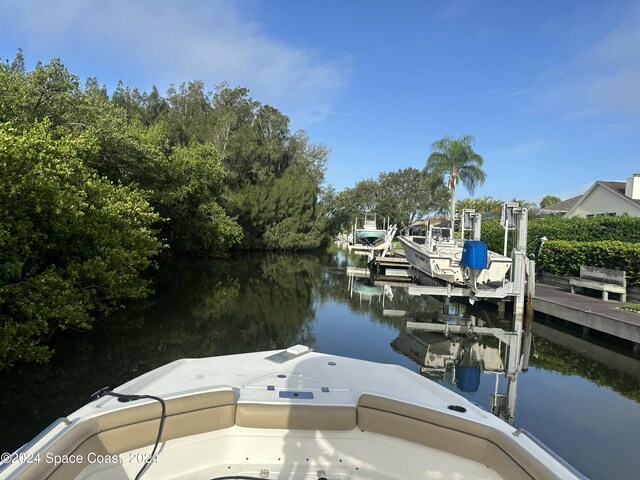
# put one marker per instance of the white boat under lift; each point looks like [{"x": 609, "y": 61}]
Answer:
[
  {"x": 520, "y": 281},
  {"x": 441, "y": 255},
  {"x": 370, "y": 240},
  {"x": 520, "y": 285}
]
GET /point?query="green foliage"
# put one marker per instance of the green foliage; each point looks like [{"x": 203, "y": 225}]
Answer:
[
  {"x": 481, "y": 204},
  {"x": 91, "y": 182},
  {"x": 606, "y": 242},
  {"x": 554, "y": 358},
  {"x": 407, "y": 195},
  {"x": 455, "y": 160},
  {"x": 402, "y": 196},
  {"x": 193, "y": 152},
  {"x": 141, "y": 106},
  {"x": 72, "y": 244},
  {"x": 281, "y": 215},
  {"x": 238, "y": 149},
  {"x": 592, "y": 229},
  {"x": 549, "y": 200},
  {"x": 188, "y": 114},
  {"x": 562, "y": 257},
  {"x": 185, "y": 189},
  {"x": 634, "y": 307}
]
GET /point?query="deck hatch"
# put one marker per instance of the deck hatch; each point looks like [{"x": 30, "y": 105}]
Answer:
[{"x": 296, "y": 395}]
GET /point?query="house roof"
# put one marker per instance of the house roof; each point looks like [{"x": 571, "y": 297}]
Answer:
[
  {"x": 619, "y": 188},
  {"x": 566, "y": 205}
]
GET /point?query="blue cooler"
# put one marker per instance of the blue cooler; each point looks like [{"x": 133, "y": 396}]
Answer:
[
  {"x": 474, "y": 254},
  {"x": 467, "y": 378}
]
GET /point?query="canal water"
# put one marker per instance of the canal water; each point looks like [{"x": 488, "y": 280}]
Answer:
[{"x": 581, "y": 398}]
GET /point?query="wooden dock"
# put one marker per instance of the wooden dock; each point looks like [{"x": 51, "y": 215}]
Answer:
[
  {"x": 392, "y": 268},
  {"x": 588, "y": 312}
]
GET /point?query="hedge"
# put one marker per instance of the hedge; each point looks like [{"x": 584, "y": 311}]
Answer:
[
  {"x": 593, "y": 229},
  {"x": 562, "y": 257}
]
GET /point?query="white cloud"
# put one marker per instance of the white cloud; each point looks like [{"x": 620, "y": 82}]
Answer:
[
  {"x": 602, "y": 79},
  {"x": 453, "y": 9},
  {"x": 181, "y": 41},
  {"x": 502, "y": 93}
]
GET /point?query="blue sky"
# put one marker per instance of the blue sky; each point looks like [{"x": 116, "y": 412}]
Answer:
[{"x": 550, "y": 89}]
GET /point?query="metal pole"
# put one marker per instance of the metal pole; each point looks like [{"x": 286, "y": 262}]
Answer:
[
  {"x": 463, "y": 225},
  {"x": 506, "y": 238},
  {"x": 531, "y": 293},
  {"x": 520, "y": 264},
  {"x": 477, "y": 226}
]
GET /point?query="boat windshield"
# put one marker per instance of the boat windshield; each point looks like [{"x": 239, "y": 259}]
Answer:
[{"x": 440, "y": 234}]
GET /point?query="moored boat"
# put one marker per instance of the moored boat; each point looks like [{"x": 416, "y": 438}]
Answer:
[
  {"x": 283, "y": 414},
  {"x": 369, "y": 234},
  {"x": 439, "y": 255}
]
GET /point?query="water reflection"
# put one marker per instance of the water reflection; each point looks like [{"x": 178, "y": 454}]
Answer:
[
  {"x": 459, "y": 350},
  {"x": 451, "y": 346},
  {"x": 366, "y": 292},
  {"x": 200, "y": 308}
]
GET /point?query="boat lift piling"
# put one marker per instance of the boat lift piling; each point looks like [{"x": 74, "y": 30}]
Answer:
[
  {"x": 471, "y": 220},
  {"x": 516, "y": 218}
]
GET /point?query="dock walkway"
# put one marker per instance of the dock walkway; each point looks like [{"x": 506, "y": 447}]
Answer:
[
  {"x": 590, "y": 313},
  {"x": 392, "y": 269}
]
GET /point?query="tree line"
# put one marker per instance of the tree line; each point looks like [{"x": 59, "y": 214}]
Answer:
[
  {"x": 93, "y": 186},
  {"x": 409, "y": 194}
]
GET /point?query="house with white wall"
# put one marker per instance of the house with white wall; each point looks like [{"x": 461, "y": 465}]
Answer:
[{"x": 602, "y": 198}]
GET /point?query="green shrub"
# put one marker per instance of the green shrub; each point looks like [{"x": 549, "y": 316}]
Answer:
[
  {"x": 562, "y": 257},
  {"x": 73, "y": 245},
  {"x": 593, "y": 229}
]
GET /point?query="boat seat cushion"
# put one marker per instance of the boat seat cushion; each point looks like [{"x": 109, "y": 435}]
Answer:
[
  {"x": 133, "y": 428},
  {"x": 453, "y": 434},
  {"x": 303, "y": 417},
  {"x": 130, "y": 428},
  {"x": 423, "y": 426}
]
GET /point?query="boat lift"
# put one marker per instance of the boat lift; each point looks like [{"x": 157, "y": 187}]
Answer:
[
  {"x": 521, "y": 276},
  {"x": 471, "y": 220}
]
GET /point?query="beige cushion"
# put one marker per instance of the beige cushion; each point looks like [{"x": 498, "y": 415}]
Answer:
[
  {"x": 135, "y": 427},
  {"x": 451, "y": 433},
  {"x": 303, "y": 417}
]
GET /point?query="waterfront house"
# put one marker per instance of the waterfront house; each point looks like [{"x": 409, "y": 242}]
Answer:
[{"x": 602, "y": 198}]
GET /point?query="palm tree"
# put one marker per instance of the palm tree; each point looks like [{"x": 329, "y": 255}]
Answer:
[{"x": 455, "y": 160}]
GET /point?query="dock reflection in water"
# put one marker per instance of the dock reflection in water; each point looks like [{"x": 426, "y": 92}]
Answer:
[{"x": 459, "y": 351}]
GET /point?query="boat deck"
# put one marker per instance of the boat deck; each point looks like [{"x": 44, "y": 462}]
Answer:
[{"x": 290, "y": 414}]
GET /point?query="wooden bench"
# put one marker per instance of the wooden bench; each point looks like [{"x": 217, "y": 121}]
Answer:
[{"x": 603, "y": 279}]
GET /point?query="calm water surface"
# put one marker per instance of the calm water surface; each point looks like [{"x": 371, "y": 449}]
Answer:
[{"x": 582, "y": 401}]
